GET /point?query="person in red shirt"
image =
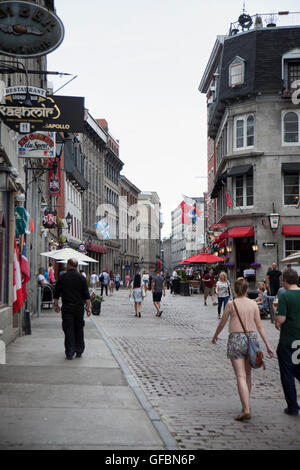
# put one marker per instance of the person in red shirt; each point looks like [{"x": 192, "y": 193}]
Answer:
[{"x": 209, "y": 280}]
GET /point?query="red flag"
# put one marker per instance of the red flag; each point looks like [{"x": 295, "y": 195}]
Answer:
[
  {"x": 228, "y": 200},
  {"x": 24, "y": 271},
  {"x": 18, "y": 300},
  {"x": 185, "y": 208}
]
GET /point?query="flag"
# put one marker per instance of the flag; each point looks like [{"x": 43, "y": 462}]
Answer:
[
  {"x": 190, "y": 213},
  {"x": 103, "y": 229},
  {"x": 24, "y": 271},
  {"x": 185, "y": 209},
  {"x": 228, "y": 200},
  {"x": 18, "y": 300}
]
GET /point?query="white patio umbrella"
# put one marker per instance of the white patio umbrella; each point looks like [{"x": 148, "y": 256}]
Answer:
[
  {"x": 68, "y": 253},
  {"x": 80, "y": 263},
  {"x": 293, "y": 258}
]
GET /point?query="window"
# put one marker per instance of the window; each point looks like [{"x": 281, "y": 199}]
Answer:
[
  {"x": 291, "y": 189},
  {"x": 244, "y": 191},
  {"x": 290, "y": 124},
  {"x": 291, "y": 245},
  {"x": 291, "y": 68},
  {"x": 244, "y": 132},
  {"x": 236, "y": 72}
]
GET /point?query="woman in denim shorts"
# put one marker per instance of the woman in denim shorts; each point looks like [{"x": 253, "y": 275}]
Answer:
[{"x": 237, "y": 346}]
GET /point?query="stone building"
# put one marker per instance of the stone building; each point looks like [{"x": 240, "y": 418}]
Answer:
[
  {"x": 149, "y": 229},
  {"x": 129, "y": 262},
  {"x": 254, "y": 123}
]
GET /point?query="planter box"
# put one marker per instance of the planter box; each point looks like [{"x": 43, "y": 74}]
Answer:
[
  {"x": 96, "y": 307},
  {"x": 185, "y": 288}
]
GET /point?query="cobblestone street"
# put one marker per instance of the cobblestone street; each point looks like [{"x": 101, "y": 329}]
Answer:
[{"x": 190, "y": 382}]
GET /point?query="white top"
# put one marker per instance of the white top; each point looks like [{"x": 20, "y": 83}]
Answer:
[
  {"x": 94, "y": 278},
  {"x": 175, "y": 274},
  {"x": 145, "y": 277},
  {"x": 223, "y": 289},
  {"x": 42, "y": 278}
]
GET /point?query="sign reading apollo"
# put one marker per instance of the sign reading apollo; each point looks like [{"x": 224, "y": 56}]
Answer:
[{"x": 28, "y": 30}]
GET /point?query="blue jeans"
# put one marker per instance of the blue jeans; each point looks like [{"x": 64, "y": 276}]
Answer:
[
  {"x": 288, "y": 373},
  {"x": 220, "y": 302}
]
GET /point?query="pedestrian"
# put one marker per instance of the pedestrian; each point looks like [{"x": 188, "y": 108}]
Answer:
[
  {"x": 73, "y": 289},
  {"x": 127, "y": 281},
  {"x": 209, "y": 280},
  {"x": 137, "y": 293},
  {"x": 237, "y": 346},
  {"x": 83, "y": 273},
  {"x": 104, "y": 281},
  {"x": 262, "y": 302},
  {"x": 117, "y": 281},
  {"x": 145, "y": 281},
  {"x": 158, "y": 290},
  {"x": 288, "y": 323},
  {"x": 51, "y": 274},
  {"x": 111, "y": 282},
  {"x": 273, "y": 279},
  {"x": 168, "y": 280},
  {"x": 94, "y": 280},
  {"x": 223, "y": 291}
]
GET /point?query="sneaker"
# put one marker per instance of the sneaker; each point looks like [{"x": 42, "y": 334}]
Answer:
[
  {"x": 292, "y": 413},
  {"x": 78, "y": 355},
  {"x": 215, "y": 303}
]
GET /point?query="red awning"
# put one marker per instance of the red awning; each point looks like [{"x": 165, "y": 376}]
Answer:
[
  {"x": 238, "y": 232},
  {"x": 222, "y": 244},
  {"x": 96, "y": 248},
  {"x": 291, "y": 230}
]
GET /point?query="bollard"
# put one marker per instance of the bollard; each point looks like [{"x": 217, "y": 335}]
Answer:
[
  {"x": 2, "y": 350},
  {"x": 27, "y": 323}
]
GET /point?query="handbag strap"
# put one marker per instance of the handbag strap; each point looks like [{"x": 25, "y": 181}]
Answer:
[{"x": 236, "y": 309}]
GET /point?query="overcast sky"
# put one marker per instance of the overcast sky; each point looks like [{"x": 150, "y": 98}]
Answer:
[{"x": 139, "y": 64}]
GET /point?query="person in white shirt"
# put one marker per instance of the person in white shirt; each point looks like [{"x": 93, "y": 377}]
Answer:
[
  {"x": 42, "y": 281},
  {"x": 145, "y": 282},
  {"x": 94, "y": 280},
  {"x": 104, "y": 280}
]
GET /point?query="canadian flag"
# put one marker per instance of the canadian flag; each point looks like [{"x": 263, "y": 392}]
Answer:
[{"x": 18, "y": 301}]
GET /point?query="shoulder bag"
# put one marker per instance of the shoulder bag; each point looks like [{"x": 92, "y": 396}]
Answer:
[{"x": 255, "y": 354}]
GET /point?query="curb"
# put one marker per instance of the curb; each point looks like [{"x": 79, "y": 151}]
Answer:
[{"x": 162, "y": 430}]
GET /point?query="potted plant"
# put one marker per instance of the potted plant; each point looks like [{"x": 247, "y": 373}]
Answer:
[
  {"x": 271, "y": 22},
  {"x": 184, "y": 283},
  {"x": 96, "y": 303},
  {"x": 255, "y": 265},
  {"x": 229, "y": 264}
]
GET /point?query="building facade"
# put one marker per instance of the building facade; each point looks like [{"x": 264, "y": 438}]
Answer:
[
  {"x": 254, "y": 123},
  {"x": 130, "y": 261},
  {"x": 149, "y": 230}
]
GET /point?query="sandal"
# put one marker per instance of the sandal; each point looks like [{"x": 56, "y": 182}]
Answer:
[{"x": 243, "y": 417}]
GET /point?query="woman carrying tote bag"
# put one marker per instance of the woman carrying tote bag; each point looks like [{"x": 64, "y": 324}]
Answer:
[{"x": 237, "y": 346}]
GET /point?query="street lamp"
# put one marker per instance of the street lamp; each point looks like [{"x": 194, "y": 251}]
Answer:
[
  {"x": 69, "y": 220},
  {"x": 274, "y": 221}
]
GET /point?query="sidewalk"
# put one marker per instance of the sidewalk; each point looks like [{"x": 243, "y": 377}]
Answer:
[{"x": 47, "y": 402}]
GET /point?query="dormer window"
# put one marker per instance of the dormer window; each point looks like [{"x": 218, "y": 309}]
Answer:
[
  {"x": 290, "y": 68},
  {"x": 236, "y": 72}
]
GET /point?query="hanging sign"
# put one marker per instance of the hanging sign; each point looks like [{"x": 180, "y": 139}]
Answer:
[
  {"x": 50, "y": 219},
  {"x": 50, "y": 113},
  {"x": 28, "y": 29},
  {"x": 37, "y": 145},
  {"x": 54, "y": 180}
]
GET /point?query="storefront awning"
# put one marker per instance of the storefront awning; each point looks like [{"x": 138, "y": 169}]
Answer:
[
  {"x": 240, "y": 171},
  {"x": 293, "y": 167},
  {"x": 96, "y": 248},
  {"x": 218, "y": 185},
  {"x": 239, "y": 232},
  {"x": 291, "y": 230}
]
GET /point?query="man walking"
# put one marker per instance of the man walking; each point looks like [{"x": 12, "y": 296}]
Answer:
[
  {"x": 104, "y": 280},
  {"x": 209, "y": 280},
  {"x": 73, "y": 288},
  {"x": 273, "y": 279},
  {"x": 288, "y": 322},
  {"x": 158, "y": 290}
]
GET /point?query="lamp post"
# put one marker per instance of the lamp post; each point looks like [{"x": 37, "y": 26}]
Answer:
[{"x": 69, "y": 220}]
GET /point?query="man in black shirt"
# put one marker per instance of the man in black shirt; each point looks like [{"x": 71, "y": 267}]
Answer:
[
  {"x": 273, "y": 277},
  {"x": 73, "y": 288}
]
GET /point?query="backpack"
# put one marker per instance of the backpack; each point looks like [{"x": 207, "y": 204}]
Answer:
[{"x": 101, "y": 278}]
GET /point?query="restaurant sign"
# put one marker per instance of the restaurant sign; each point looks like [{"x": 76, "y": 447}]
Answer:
[
  {"x": 28, "y": 29},
  {"x": 37, "y": 145},
  {"x": 46, "y": 113}
]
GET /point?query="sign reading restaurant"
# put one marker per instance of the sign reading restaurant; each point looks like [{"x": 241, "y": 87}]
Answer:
[{"x": 28, "y": 30}]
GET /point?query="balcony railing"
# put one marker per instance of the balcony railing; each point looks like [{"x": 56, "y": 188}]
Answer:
[{"x": 264, "y": 20}]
